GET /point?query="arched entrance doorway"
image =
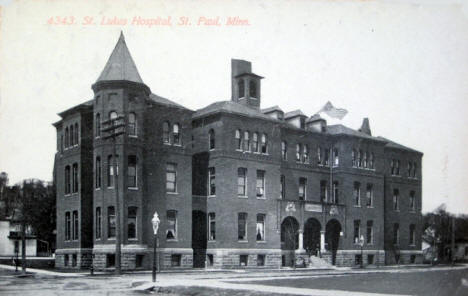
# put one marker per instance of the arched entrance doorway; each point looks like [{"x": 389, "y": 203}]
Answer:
[
  {"x": 199, "y": 238},
  {"x": 312, "y": 229},
  {"x": 332, "y": 237},
  {"x": 289, "y": 240}
]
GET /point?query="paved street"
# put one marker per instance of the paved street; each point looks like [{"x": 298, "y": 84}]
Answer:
[{"x": 389, "y": 281}]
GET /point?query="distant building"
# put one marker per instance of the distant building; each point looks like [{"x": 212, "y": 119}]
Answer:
[
  {"x": 10, "y": 239},
  {"x": 234, "y": 185}
]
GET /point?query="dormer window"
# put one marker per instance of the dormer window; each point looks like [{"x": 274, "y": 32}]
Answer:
[{"x": 241, "y": 87}]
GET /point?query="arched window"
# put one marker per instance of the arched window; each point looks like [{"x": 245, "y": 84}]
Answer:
[
  {"x": 132, "y": 223},
  {"x": 319, "y": 155},
  {"x": 359, "y": 158},
  {"x": 336, "y": 159},
  {"x": 132, "y": 124},
  {"x": 166, "y": 138},
  {"x": 264, "y": 144},
  {"x": 252, "y": 89},
  {"x": 75, "y": 178},
  {"x": 98, "y": 125},
  {"x": 71, "y": 135},
  {"x": 111, "y": 171},
  {"x": 176, "y": 134},
  {"x": 238, "y": 140},
  {"x": 371, "y": 160},
  {"x": 77, "y": 134},
  {"x": 364, "y": 160},
  {"x": 66, "y": 137},
  {"x": 246, "y": 141},
  {"x": 67, "y": 180},
  {"x": 284, "y": 150},
  {"x": 211, "y": 139},
  {"x": 98, "y": 172},
  {"x": 241, "y": 87},
  {"x": 255, "y": 142}
]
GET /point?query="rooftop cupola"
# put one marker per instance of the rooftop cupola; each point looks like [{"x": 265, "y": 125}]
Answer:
[
  {"x": 316, "y": 123},
  {"x": 245, "y": 84},
  {"x": 365, "y": 127},
  {"x": 120, "y": 68},
  {"x": 296, "y": 118}
]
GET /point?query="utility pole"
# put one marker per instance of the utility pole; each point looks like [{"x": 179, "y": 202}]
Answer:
[
  {"x": 453, "y": 241},
  {"x": 115, "y": 127}
]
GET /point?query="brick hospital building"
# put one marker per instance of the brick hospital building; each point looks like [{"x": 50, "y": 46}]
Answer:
[{"x": 234, "y": 185}]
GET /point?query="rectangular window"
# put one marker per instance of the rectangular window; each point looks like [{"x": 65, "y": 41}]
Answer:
[
  {"x": 412, "y": 235},
  {"x": 305, "y": 154},
  {"x": 171, "y": 232},
  {"x": 175, "y": 134},
  {"x": 357, "y": 231},
  {"x": 110, "y": 260},
  {"x": 132, "y": 171},
  {"x": 369, "y": 196},
  {"x": 412, "y": 201},
  {"x": 255, "y": 142},
  {"x": 396, "y": 202},
  {"x": 298, "y": 152},
  {"x": 212, "y": 226},
  {"x": 302, "y": 188},
  {"x": 98, "y": 223},
  {"x": 371, "y": 160},
  {"x": 323, "y": 191},
  {"x": 353, "y": 157},
  {"x": 359, "y": 156},
  {"x": 74, "y": 259},
  {"x": 336, "y": 159},
  {"x": 396, "y": 234},
  {"x": 283, "y": 187},
  {"x": 246, "y": 141},
  {"x": 171, "y": 177},
  {"x": 397, "y": 167},
  {"x": 284, "y": 150},
  {"x": 335, "y": 192},
  {"x": 238, "y": 140},
  {"x": 243, "y": 260},
  {"x": 212, "y": 181},
  {"x": 111, "y": 222},
  {"x": 364, "y": 160},
  {"x": 175, "y": 260},
  {"x": 260, "y": 260},
  {"x": 415, "y": 166},
  {"x": 132, "y": 223},
  {"x": 260, "y": 227},
  {"x": 370, "y": 233},
  {"x": 241, "y": 181},
  {"x": 319, "y": 155},
  {"x": 110, "y": 169},
  {"x": 410, "y": 168},
  {"x": 260, "y": 184},
  {"x": 242, "y": 226},
  {"x": 75, "y": 225},
  {"x": 357, "y": 194},
  {"x": 66, "y": 259},
  {"x": 264, "y": 144},
  {"x": 67, "y": 226},
  {"x": 326, "y": 159},
  {"x": 370, "y": 259},
  {"x": 75, "y": 178}
]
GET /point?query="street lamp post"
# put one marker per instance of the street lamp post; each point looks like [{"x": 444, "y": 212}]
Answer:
[
  {"x": 361, "y": 243},
  {"x": 155, "y": 221}
]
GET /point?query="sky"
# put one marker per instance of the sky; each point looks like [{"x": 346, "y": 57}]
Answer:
[{"x": 403, "y": 64}]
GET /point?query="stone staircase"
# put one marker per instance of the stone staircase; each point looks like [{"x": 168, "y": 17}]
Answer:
[{"x": 319, "y": 263}]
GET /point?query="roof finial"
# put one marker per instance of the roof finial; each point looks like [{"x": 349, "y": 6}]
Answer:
[{"x": 122, "y": 37}]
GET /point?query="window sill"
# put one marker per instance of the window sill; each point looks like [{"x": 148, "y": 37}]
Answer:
[
  {"x": 357, "y": 206},
  {"x": 210, "y": 196},
  {"x": 239, "y": 150},
  {"x": 177, "y": 145},
  {"x": 211, "y": 241},
  {"x": 132, "y": 188},
  {"x": 412, "y": 245},
  {"x": 370, "y": 207},
  {"x": 112, "y": 187},
  {"x": 243, "y": 196},
  {"x": 172, "y": 193},
  {"x": 172, "y": 240},
  {"x": 97, "y": 189},
  {"x": 261, "y": 197},
  {"x": 133, "y": 136},
  {"x": 111, "y": 238},
  {"x": 167, "y": 143},
  {"x": 261, "y": 242},
  {"x": 133, "y": 239},
  {"x": 243, "y": 241}
]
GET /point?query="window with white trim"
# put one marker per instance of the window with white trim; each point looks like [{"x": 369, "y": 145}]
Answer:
[
  {"x": 260, "y": 184},
  {"x": 260, "y": 231},
  {"x": 171, "y": 231}
]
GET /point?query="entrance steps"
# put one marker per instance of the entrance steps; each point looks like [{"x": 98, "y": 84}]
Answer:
[{"x": 316, "y": 262}]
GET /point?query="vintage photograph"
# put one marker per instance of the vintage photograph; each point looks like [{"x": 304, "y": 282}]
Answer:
[{"x": 284, "y": 147}]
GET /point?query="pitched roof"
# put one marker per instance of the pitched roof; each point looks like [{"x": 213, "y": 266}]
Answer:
[
  {"x": 271, "y": 109},
  {"x": 230, "y": 107},
  {"x": 314, "y": 117},
  {"x": 391, "y": 144},
  {"x": 339, "y": 129},
  {"x": 160, "y": 100},
  {"x": 294, "y": 114},
  {"x": 88, "y": 103},
  {"x": 120, "y": 65}
]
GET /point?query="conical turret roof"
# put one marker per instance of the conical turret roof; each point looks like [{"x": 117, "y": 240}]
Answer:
[{"x": 120, "y": 65}]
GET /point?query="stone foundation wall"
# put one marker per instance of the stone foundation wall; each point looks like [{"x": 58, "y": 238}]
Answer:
[
  {"x": 405, "y": 257},
  {"x": 231, "y": 258},
  {"x": 73, "y": 258},
  {"x": 348, "y": 257}
]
